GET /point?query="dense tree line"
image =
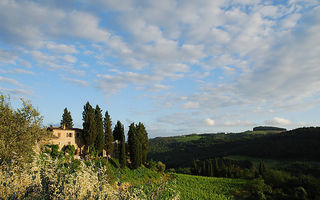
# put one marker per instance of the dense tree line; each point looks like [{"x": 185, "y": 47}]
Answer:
[
  {"x": 98, "y": 135},
  {"x": 298, "y": 144},
  {"x": 138, "y": 144}
]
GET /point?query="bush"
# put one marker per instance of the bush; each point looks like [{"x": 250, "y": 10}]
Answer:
[
  {"x": 20, "y": 130},
  {"x": 160, "y": 167}
]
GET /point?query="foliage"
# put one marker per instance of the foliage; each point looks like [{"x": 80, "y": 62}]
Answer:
[
  {"x": 197, "y": 187},
  {"x": 117, "y": 134},
  {"x": 123, "y": 157},
  {"x": 89, "y": 126},
  {"x": 20, "y": 130},
  {"x": 133, "y": 145},
  {"x": 138, "y": 144},
  {"x": 66, "y": 119},
  {"x": 178, "y": 151},
  {"x": 108, "y": 134},
  {"x": 99, "y": 141}
]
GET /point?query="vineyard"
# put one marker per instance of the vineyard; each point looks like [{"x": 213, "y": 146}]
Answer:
[{"x": 198, "y": 187}]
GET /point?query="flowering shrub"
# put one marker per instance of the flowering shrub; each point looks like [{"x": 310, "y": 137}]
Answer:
[{"x": 48, "y": 178}]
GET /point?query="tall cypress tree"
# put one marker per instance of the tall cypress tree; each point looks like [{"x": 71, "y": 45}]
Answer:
[
  {"x": 122, "y": 156},
  {"x": 66, "y": 119},
  {"x": 133, "y": 144},
  {"x": 108, "y": 134},
  {"x": 117, "y": 131},
  {"x": 89, "y": 126},
  {"x": 99, "y": 141},
  {"x": 144, "y": 141}
]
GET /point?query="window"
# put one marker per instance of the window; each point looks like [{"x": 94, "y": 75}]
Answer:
[
  {"x": 59, "y": 135},
  {"x": 70, "y": 134},
  {"x": 69, "y": 143}
]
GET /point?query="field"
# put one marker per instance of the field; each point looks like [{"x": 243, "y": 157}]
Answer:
[{"x": 198, "y": 187}]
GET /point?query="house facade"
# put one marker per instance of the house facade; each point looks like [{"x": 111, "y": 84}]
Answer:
[{"x": 63, "y": 137}]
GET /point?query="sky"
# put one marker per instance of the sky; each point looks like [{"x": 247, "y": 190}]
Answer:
[{"x": 180, "y": 67}]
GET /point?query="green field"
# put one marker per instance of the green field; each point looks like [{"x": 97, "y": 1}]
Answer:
[{"x": 199, "y": 187}]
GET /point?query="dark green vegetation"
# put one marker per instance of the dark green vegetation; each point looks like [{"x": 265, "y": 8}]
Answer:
[
  {"x": 198, "y": 187},
  {"x": 279, "y": 165},
  {"x": 179, "y": 151},
  {"x": 66, "y": 119},
  {"x": 268, "y": 128},
  {"x": 97, "y": 135}
]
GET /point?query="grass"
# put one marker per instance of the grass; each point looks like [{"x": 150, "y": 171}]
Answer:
[{"x": 198, "y": 187}]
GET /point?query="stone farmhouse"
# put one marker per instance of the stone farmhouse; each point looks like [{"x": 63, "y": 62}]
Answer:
[{"x": 63, "y": 137}]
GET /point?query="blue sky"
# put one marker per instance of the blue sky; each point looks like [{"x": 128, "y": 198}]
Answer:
[{"x": 177, "y": 66}]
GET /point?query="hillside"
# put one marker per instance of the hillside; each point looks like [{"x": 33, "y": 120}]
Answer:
[{"x": 179, "y": 151}]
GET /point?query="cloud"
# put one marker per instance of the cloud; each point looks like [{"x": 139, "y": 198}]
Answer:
[
  {"x": 61, "y": 48},
  {"x": 10, "y": 81},
  {"x": 16, "y": 71},
  {"x": 77, "y": 82},
  {"x": 277, "y": 121},
  {"x": 158, "y": 88},
  {"x": 31, "y": 24},
  {"x": 209, "y": 122},
  {"x": 190, "y": 105},
  {"x": 69, "y": 59},
  {"x": 17, "y": 91},
  {"x": 238, "y": 123},
  {"x": 7, "y": 57}
]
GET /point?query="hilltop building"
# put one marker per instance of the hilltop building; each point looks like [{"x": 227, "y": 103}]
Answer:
[{"x": 63, "y": 137}]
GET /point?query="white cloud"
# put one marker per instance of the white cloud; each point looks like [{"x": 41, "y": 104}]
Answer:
[
  {"x": 190, "y": 105},
  {"x": 10, "y": 81},
  {"x": 238, "y": 123},
  {"x": 16, "y": 71},
  {"x": 61, "y": 48},
  {"x": 7, "y": 57},
  {"x": 158, "y": 88},
  {"x": 209, "y": 122},
  {"x": 69, "y": 58},
  {"x": 17, "y": 91},
  {"x": 77, "y": 82},
  {"x": 277, "y": 121}
]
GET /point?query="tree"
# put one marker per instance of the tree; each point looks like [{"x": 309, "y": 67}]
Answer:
[
  {"x": 108, "y": 134},
  {"x": 66, "y": 119},
  {"x": 122, "y": 156},
  {"x": 89, "y": 126},
  {"x": 20, "y": 130},
  {"x": 117, "y": 134},
  {"x": 133, "y": 145},
  {"x": 99, "y": 141},
  {"x": 143, "y": 139}
]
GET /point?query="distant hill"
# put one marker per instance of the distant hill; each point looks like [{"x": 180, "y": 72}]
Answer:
[
  {"x": 179, "y": 151},
  {"x": 268, "y": 128}
]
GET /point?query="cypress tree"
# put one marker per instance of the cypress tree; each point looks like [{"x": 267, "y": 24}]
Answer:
[
  {"x": 66, "y": 119},
  {"x": 99, "y": 141},
  {"x": 117, "y": 131},
  {"x": 108, "y": 134},
  {"x": 122, "y": 156},
  {"x": 143, "y": 139},
  {"x": 133, "y": 144},
  {"x": 89, "y": 126}
]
